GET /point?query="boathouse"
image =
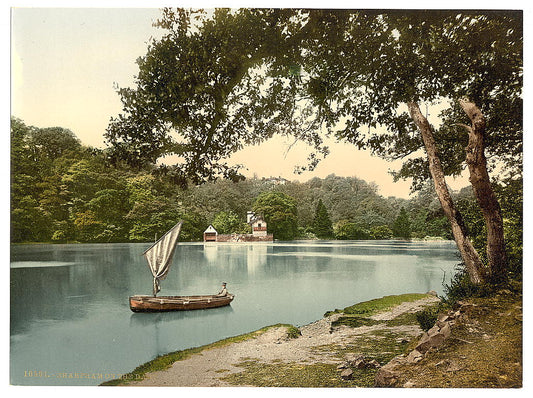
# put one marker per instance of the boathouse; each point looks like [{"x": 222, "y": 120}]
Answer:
[{"x": 210, "y": 234}]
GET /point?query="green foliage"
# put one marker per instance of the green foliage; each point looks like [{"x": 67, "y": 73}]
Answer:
[
  {"x": 227, "y": 222},
  {"x": 381, "y": 232},
  {"x": 72, "y": 194},
  {"x": 322, "y": 224},
  {"x": 427, "y": 317},
  {"x": 88, "y": 227},
  {"x": 349, "y": 230},
  {"x": 280, "y": 213},
  {"x": 510, "y": 194},
  {"x": 461, "y": 287},
  {"x": 402, "y": 225},
  {"x": 293, "y": 332},
  {"x": 77, "y": 196}
]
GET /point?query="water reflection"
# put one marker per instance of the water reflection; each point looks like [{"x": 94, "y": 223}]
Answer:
[{"x": 70, "y": 311}]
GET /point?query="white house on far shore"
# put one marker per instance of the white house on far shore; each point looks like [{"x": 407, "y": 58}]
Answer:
[{"x": 258, "y": 223}]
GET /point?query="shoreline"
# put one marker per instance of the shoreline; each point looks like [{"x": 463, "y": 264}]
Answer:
[
  {"x": 318, "y": 348},
  {"x": 413, "y": 240}
]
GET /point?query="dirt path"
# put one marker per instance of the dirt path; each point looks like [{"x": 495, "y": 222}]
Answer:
[{"x": 206, "y": 369}]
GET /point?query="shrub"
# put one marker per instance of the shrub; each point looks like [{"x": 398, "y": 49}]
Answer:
[
  {"x": 293, "y": 332},
  {"x": 427, "y": 318},
  {"x": 461, "y": 287}
]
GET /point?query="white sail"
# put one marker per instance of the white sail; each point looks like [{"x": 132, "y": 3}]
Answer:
[{"x": 159, "y": 255}]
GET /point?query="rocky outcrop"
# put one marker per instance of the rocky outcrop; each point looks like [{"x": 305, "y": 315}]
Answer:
[
  {"x": 389, "y": 375},
  {"x": 361, "y": 362},
  {"x": 355, "y": 361}
]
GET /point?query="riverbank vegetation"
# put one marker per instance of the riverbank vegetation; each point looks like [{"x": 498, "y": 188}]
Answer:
[{"x": 63, "y": 191}]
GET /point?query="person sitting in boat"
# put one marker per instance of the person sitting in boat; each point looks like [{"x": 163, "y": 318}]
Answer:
[{"x": 224, "y": 291}]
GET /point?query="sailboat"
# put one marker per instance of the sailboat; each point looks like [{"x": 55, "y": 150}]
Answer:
[{"x": 159, "y": 257}]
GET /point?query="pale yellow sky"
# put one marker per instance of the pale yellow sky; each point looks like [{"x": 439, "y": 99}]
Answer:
[{"x": 64, "y": 65}]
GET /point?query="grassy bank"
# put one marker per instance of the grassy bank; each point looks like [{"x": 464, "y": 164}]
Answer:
[
  {"x": 483, "y": 351},
  {"x": 163, "y": 362}
]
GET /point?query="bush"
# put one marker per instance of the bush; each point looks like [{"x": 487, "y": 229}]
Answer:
[
  {"x": 427, "y": 318},
  {"x": 461, "y": 287},
  {"x": 293, "y": 332}
]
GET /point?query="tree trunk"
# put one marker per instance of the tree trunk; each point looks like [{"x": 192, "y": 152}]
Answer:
[
  {"x": 479, "y": 178},
  {"x": 473, "y": 263}
]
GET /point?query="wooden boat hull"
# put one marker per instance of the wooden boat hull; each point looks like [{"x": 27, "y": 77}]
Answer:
[{"x": 178, "y": 303}]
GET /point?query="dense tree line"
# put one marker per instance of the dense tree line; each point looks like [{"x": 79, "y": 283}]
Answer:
[{"x": 63, "y": 191}]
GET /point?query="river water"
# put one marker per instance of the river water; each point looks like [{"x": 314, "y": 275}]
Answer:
[{"x": 71, "y": 323}]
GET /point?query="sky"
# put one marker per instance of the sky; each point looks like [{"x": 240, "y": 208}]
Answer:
[{"x": 66, "y": 61}]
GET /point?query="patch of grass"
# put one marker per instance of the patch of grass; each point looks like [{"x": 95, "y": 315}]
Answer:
[
  {"x": 354, "y": 321},
  {"x": 293, "y": 332},
  {"x": 381, "y": 345},
  {"x": 372, "y": 307},
  {"x": 407, "y": 318},
  {"x": 292, "y": 374},
  {"x": 163, "y": 362}
]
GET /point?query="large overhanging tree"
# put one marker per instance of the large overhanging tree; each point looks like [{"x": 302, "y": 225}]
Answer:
[{"x": 220, "y": 80}]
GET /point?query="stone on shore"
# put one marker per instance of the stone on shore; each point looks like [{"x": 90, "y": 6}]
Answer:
[{"x": 347, "y": 374}]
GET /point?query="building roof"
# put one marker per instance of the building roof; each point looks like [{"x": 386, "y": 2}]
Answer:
[
  {"x": 210, "y": 229},
  {"x": 255, "y": 217}
]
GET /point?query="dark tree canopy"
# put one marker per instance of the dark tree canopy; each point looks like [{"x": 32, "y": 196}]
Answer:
[
  {"x": 218, "y": 81},
  {"x": 402, "y": 225},
  {"x": 322, "y": 226},
  {"x": 280, "y": 212}
]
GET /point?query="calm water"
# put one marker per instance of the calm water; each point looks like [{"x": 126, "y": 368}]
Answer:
[{"x": 71, "y": 323}]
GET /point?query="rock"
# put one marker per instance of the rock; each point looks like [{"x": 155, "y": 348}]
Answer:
[
  {"x": 359, "y": 361},
  {"x": 463, "y": 305},
  {"x": 432, "y": 292},
  {"x": 347, "y": 374},
  {"x": 354, "y": 359},
  {"x": 409, "y": 384},
  {"x": 415, "y": 356},
  {"x": 386, "y": 377},
  {"x": 351, "y": 357},
  {"x": 343, "y": 366},
  {"x": 430, "y": 341},
  {"x": 423, "y": 344},
  {"x": 454, "y": 367},
  {"x": 446, "y": 330},
  {"x": 433, "y": 331},
  {"x": 437, "y": 339}
]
